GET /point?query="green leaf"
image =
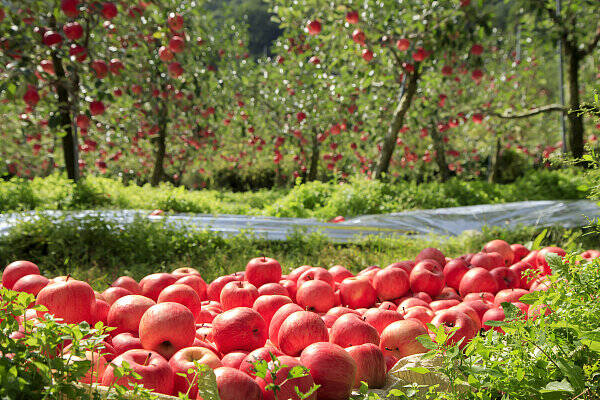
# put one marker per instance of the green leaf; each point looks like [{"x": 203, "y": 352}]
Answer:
[
  {"x": 419, "y": 370},
  {"x": 556, "y": 386}
]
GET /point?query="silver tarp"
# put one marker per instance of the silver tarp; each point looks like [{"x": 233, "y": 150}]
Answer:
[{"x": 442, "y": 221}]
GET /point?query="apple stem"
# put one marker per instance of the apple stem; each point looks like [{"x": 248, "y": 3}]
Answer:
[
  {"x": 68, "y": 276},
  {"x": 264, "y": 258},
  {"x": 147, "y": 359}
]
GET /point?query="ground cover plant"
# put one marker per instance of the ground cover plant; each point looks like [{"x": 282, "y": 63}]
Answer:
[{"x": 319, "y": 200}]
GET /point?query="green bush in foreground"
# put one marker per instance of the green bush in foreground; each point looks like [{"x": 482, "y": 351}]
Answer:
[
  {"x": 99, "y": 251},
  {"x": 314, "y": 199}
]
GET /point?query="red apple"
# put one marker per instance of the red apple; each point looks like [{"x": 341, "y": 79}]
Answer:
[
  {"x": 477, "y": 280},
  {"x": 314, "y": 27},
  {"x": 16, "y": 270},
  {"x": 167, "y": 328},
  {"x": 411, "y": 302},
  {"x": 531, "y": 258},
  {"x": 195, "y": 282},
  {"x": 419, "y": 313},
  {"x": 447, "y": 293},
  {"x": 268, "y": 305},
  {"x": 501, "y": 247},
  {"x": 331, "y": 367},
  {"x": 482, "y": 296},
  {"x": 236, "y": 385},
  {"x": 340, "y": 273},
  {"x": 295, "y": 274},
  {"x": 493, "y": 314},
  {"x": 299, "y": 330},
  {"x": 184, "y": 295},
  {"x": 351, "y": 330},
  {"x": 487, "y": 261},
  {"x": 241, "y": 328},
  {"x": 234, "y": 359},
  {"x": 183, "y": 360},
  {"x": 125, "y": 313},
  {"x": 470, "y": 311},
  {"x": 506, "y": 278},
  {"x": 213, "y": 291},
  {"x": 72, "y": 301},
  {"x": 290, "y": 286},
  {"x": 263, "y": 270},
  {"x": 479, "y": 306},
  {"x": 152, "y": 367},
  {"x": 525, "y": 278},
  {"x": 316, "y": 273},
  {"x": 541, "y": 258},
  {"x": 31, "y": 284},
  {"x": 391, "y": 283},
  {"x": 315, "y": 296},
  {"x": 427, "y": 276},
  {"x": 431, "y": 253},
  {"x": 406, "y": 265},
  {"x": 278, "y": 319},
  {"x": 454, "y": 271},
  {"x": 153, "y": 284},
  {"x": 380, "y": 319},
  {"x": 185, "y": 271},
  {"x": 262, "y": 353},
  {"x": 125, "y": 341},
  {"x": 467, "y": 327},
  {"x": 238, "y": 294},
  {"x": 127, "y": 282},
  {"x": 100, "y": 311},
  {"x": 370, "y": 364},
  {"x": 440, "y": 305},
  {"x": 400, "y": 338},
  {"x": 114, "y": 293},
  {"x": 272, "y": 288},
  {"x": 519, "y": 252},
  {"x": 357, "y": 293}
]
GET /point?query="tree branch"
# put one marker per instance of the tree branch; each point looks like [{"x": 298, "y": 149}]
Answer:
[
  {"x": 592, "y": 45},
  {"x": 509, "y": 114}
]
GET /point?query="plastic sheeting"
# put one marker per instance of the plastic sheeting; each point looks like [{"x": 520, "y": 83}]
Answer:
[{"x": 442, "y": 221}]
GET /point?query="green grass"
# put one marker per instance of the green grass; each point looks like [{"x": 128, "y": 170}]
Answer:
[
  {"x": 99, "y": 251},
  {"x": 311, "y": 200}
]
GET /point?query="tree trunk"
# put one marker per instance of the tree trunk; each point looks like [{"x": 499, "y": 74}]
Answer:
[
  {"x": 314, "y": 158},
  {"x": 574, "y": 116},
  {"x": 494, "y": 156},
  {"x": 69, "y": 140},
  {"x": 440, "y": 153},
  {"x": 158, "y": 172},
  {"x": 389, "y": 142}
]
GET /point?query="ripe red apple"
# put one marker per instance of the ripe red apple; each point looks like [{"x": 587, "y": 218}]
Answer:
[
  {"x": 380, "y": 319},
  {"x": 125, "y": 341},
  {"x": 520, "y": 269},
  {"x": 340, "y": 273},
  {"x": 167, "y": 328},
  {"x": 440, "y": 305},
  {"x": 314, "y": 27},
  {"x": 454, "y": 271},
  {"x": 487, "y": 261},
  {"x": 278, "y": 319},
  {"x": 541, "y": 258},
  {"x": 262, "y": 353},
  {"x": 183, "y": 360},
  {"x": 16, "y": 270},
  {"x": 125, "y": 313},
  {"x": 233, "y": 384},
  {"x": 519, "y": 252},
  {"x": 238, "y": 294},
  {"x": 100, "y": 311},
  {"x": 352, "y": 17},
  {"x": 290, "y": 286},
  {"x": 213, "y": 291},
  {"x": 448, "y": 293},
  {"x": 400, "y": 338},
  {"x": 263, "y": 270},
  {"x": 315, "y": 296},
  {"x": 153, "y": 284},
  {"x": 175, "y": 21},
  {"x": 127, "y": 282},
  {"x": 357, "y": 293},
  {"x": 70, "y": 8},
  {"x": 470, "y": 311},
  {"x": 369, "y": 272},
  {"x": 195, "y": 282},
  {"x": 427, "y": 276},
  {"x": 114, "y": 293},
  {"x": 493, "y": 314},
  {"x": 295, "y": 274},
  {"x": 370, "y": 365},
  {"x": 479, "y": 306},
  {"x": 506, "y": 278},
  {"x": 185, "y": 271},
  {"x": 424, "y": 315},
  {"x": 287, "y": 387},
  {"x": 299, "y": 330},
  {"x": 184, "y": 295},
  {"x": 315, "y": 273},
  {"x": 31, "y": 284},
  {"x": 482, "y": 296},
  {"x": 391, "y": 283},
  {"x": 431, "y": 253},
  {"x": 273, "y": 288},
  {"x": 241, "y": 328},
  {"x": 406, "y": 265},
  {"x": 467, "y": 327},
  {"x": 501, "y": 247},
  {"x": 331, "y": 367},
  {"x": 477, "y": 280},
  {"x": 351, "y": 330},
  {"x": 411, "y": 302},
  {"x": 73, "y": 30},
  {"x": 152, "y": 367},
  {"x": 268, "y": 305},
  {"x": 234, "y": 359},
  {"x": 590, "y": 254},
  {"x": 71, "y": 300}
]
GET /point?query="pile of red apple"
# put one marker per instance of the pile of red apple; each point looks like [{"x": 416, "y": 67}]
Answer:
[{"x": 344, "y": 328}]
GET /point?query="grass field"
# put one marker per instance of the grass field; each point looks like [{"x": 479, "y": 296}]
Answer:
[{"x": 315, "y": 199}]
